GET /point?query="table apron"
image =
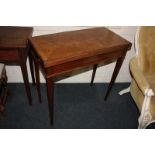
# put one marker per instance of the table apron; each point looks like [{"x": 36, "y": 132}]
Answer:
[
  {"x": 85, "y": 62},
  {"x": 13, "y": 56}
]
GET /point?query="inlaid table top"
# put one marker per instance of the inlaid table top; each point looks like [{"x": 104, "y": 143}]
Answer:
[
  {"x": 62, "y": 47},
  {"x": 14, "y": 37}
]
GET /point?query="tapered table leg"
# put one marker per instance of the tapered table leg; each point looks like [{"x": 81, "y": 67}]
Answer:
[
  {"x": 31, "y": 67},
  {"x": 115, "y": 73},
  {"x": 37, "y": 75},
  {"x": 50, "y": 96},
  {"x": 93, "y": 74},
  {"x": 26, "y": 81}
]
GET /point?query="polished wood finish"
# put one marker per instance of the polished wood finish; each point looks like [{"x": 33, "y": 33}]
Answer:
[
  {"x": 69, "y": 46},
  {"x": 14, "y": 50},
  {"x": 60, "y": 53}
]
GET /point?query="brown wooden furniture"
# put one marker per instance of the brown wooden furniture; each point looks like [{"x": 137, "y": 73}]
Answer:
[
  {"x": 60, "y": 53},
  {"x": 14, "y": 50},
  {"x": 3, "y": 87}
]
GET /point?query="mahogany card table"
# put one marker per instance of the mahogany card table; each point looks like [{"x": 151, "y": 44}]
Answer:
[
  {"x": 14, "y": 50},
  {"x": 56, "y": 54}
]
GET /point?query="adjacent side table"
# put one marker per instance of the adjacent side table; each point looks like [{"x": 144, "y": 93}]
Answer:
[{"x": 14, "y": 50}]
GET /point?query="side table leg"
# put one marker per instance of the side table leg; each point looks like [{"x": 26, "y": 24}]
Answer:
[
  {"x": 93, "y": 74},
  {"x": 37, "y": 75},
  {"x": 26, "y": 81},
  {"x": 115, "y": 73},
  {"x": 50, "y": 96}
]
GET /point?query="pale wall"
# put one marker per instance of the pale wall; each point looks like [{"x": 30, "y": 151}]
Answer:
[{"x": 103, "y": 74}]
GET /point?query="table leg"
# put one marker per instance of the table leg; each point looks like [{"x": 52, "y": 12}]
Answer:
[
  {"x": 37, "y": 75},
  {"x": 93, "y": 74},
  {"x": 50, "y": 96},
  {"x": 26, "y": 81},
  {"x": 115, "y": 73},
  {"x": 31, "y": 67}
]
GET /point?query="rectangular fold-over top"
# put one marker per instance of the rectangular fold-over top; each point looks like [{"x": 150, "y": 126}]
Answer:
[{"x": 58, "y": 48}]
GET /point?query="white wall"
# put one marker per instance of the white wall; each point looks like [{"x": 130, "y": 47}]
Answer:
[{"x": 103, "y": 74}]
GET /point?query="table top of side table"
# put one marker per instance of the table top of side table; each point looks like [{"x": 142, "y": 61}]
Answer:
[
  {"x": 62, "y": 47},
  {"x": 14, "y": 37}
]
